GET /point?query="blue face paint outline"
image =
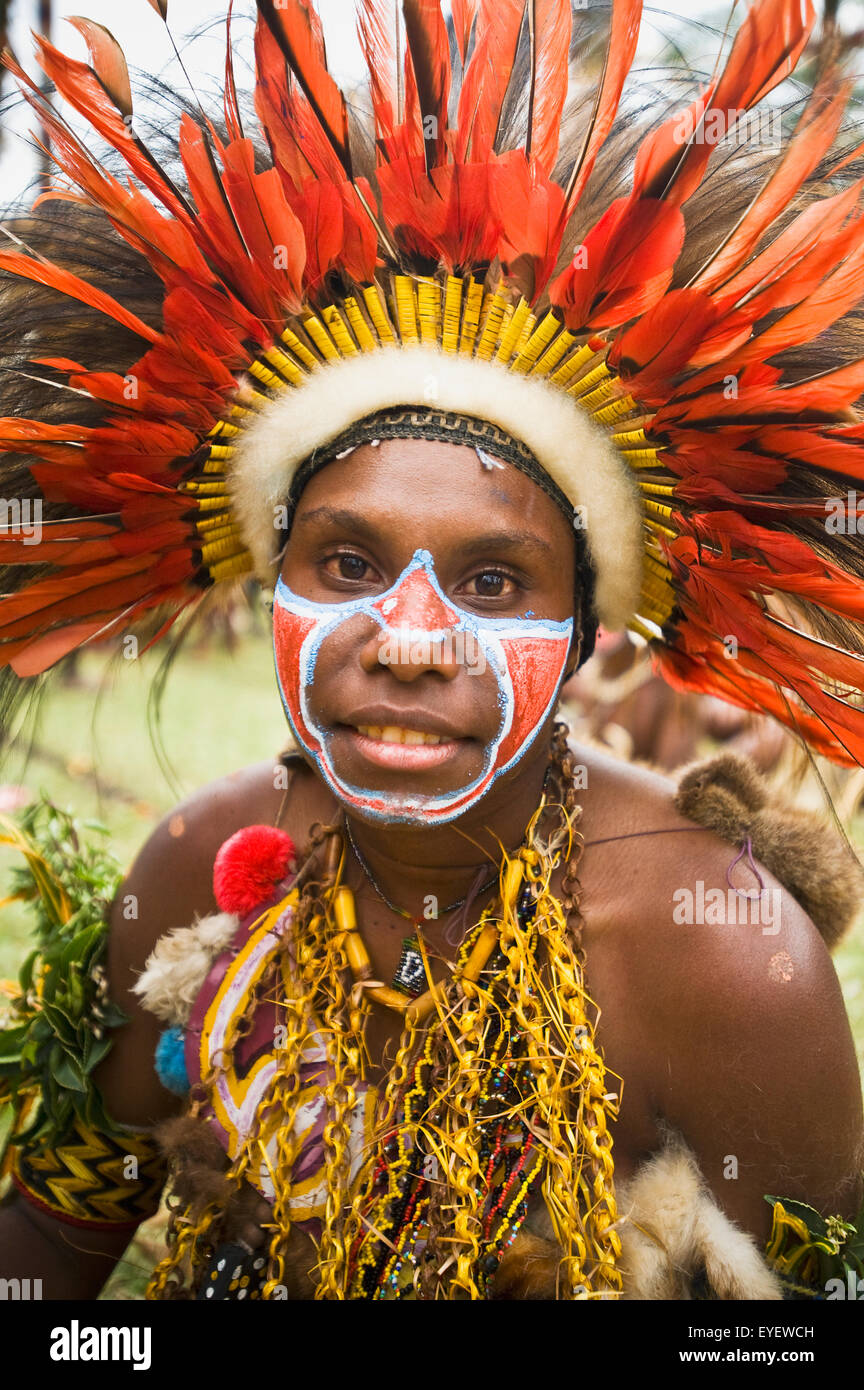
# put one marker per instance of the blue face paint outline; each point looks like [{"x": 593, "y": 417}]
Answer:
[{"x": 487, "y": 632}]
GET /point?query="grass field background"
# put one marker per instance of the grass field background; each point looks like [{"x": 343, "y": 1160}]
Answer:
[{"x": 91, "y": 752}]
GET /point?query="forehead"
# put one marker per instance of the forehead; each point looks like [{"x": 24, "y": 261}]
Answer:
[{"x": 424, "y": 481}]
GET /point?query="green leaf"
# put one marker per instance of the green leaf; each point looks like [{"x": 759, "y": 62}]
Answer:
[
  {"x": 25, "y": 974},
  {"x": 100, "y": 1048},
  {"x": 68, "y": 1073},
  {"x": 12, "y": 1040}
]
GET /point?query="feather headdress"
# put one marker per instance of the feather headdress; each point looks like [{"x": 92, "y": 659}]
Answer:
[{"x": 265, "y": 302}]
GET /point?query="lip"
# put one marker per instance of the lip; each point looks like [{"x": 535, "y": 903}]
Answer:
[
  {"x": 408, "y": 757},
  {"x": 424, "y": 721}
]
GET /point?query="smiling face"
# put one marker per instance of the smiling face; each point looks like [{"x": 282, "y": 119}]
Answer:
[{"x": 422, "y": 625}]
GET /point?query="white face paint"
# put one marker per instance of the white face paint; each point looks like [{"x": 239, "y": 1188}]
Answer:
[{"x": 527, "y": 657}]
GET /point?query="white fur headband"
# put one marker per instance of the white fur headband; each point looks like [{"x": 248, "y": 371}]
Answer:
[{"x": 576, "y": 453}]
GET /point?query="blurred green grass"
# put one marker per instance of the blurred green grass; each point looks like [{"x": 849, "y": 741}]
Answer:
[{"x": 219, "y": 713}]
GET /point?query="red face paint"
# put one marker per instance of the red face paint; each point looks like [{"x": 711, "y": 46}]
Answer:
[{"x": 527, "y": 657}]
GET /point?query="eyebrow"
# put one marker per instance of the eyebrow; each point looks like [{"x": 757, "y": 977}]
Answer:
[
  {"x": 492, "y": 540},
  {"x": 351, "y": 521}
]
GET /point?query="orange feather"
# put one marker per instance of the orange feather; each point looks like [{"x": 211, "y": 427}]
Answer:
[
  {"x": 429, "y": 48},
  {"x": 464, "y": 16},
  {"x": 551, "y": 28},
  {"x": 296, "y": 27},
  {"x": 487, "y": 77},
  {"x": 620, "y": 51},
  {"x": 813, "y": 137}
]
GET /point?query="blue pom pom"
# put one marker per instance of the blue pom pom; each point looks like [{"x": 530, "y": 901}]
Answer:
[{"x": 171, "y": 1061}]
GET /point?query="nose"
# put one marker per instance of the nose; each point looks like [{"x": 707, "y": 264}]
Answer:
[
  {"x": 416, "y": 635},
  {"x": 408, "y": 655}
]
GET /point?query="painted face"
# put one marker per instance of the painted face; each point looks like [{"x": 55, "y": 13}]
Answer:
[{"x": 526, "y": 656}]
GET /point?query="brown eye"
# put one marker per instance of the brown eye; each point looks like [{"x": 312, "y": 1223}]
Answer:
[
  {"x": 351, "y": 567},
  {"x": 492, "y": 584}
]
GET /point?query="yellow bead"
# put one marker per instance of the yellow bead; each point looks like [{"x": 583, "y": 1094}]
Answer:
[
  {"x": 512, "y": 879},
  {"x": 482, "y": 950},
  {"x": 421, "y": 1008},
  {"x": 391, "y": 998},
  {"x": 358, "y": 956},
  {"x": 344, "y": 910}
]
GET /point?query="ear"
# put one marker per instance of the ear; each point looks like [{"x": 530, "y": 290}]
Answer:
[
  {"x": 577, "y": 641},
  {"x": 573, "y": 655}
]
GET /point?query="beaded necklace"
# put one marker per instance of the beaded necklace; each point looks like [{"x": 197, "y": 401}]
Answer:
[
  {"x": 401, "y": 911},
  {"x": 410, "y": 976},
  {"x": 396, "y": 1207}
]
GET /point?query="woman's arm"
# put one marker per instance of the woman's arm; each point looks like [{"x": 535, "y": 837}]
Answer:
[
  {"x": 753, "y": 1060},
  {"x": 169, "y": 885}
]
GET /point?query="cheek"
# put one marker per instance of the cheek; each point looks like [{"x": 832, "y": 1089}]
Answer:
[
  {"x": 290, "y": 630},
  {"x": 313, "y": 667},
  {"x": 535, "y": 668}
]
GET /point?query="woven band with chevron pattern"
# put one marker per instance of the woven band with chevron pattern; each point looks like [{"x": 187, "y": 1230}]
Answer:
[{"x": 100, "y": 1181}]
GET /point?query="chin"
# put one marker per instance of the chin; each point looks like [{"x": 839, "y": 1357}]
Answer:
[{"x": 411, "y": 801}]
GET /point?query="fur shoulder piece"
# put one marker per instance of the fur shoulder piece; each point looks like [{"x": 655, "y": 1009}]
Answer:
[
  {"x": 728, "y": 796},
  {"x": 179, "y": 964}
]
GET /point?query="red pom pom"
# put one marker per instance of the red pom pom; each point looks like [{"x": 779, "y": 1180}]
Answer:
[{"x": 249, "y": 865}]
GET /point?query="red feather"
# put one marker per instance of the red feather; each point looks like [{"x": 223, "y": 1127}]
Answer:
[
  {"x": 552, "y": 30},
  {"x": 31, "y": 658},
  {"x": 107, "y": 61},
  {"x": 429, "y": 47},
  {"x": 464, "y": 16},
  {"x": 767, "y": 47},
  {"x": 529, "y": 207},
  {"x": 55, "y": 277},
  {"x": 296, "y": 27},
  {"x": 660, "y": 344},
  {"x": 775, "y": 270},
  {"x": 84, "y": 91},
  {"x": 624, "y": 265},
  {"x": 487, "y": 77},
  {"x": 276, "y": 106},
  {"x": 620, "y": 51},
  {"x": 269, "y": 228},
  {"x": 813, "y": 137},
  {"x": 382, "y": 38}
]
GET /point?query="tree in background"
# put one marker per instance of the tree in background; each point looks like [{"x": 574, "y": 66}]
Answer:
[{"x": 41, "y": 22}]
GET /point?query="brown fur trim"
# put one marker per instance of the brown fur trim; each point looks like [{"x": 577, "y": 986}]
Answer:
[
  {"x": 674, "y": 1237},
  {"x": 528, "y": 1269},
  {"x": 810, "y": 859},
  {"x": 199, "y": 1175}
]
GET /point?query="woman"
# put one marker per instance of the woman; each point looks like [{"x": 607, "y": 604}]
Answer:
[{"x": 449, "y": 489}]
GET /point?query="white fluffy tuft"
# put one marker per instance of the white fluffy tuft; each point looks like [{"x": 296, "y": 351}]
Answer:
[
  {"x": 574, "y": 452},
  {"x": 179, "y": 964},
  {"x": 672, "y": 1229}
]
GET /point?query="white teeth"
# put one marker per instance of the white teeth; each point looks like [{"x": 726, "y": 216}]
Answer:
[{"x": 392, "y": 733}]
